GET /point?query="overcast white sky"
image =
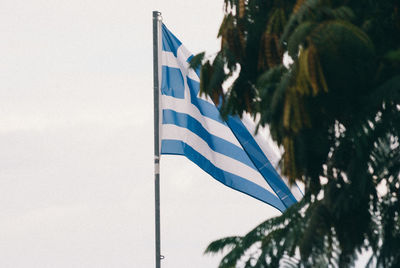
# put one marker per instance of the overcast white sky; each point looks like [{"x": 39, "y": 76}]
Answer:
[{"x": 76, "y": 140}]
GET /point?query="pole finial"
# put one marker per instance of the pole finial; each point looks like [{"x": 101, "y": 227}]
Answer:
[{"x": 156, "y": 14}]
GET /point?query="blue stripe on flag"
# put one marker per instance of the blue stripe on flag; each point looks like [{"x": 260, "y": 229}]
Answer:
[
  {"x": 172, "y": 83},
  {"x": 207, "y": 109},
  {"x": 169, "y": 41},
  {"x": 194, "y": 86},
  {"x": 217, "y": 144},
  {"x": 236, "y": 182},
  {"x": 259, "y": 159}
]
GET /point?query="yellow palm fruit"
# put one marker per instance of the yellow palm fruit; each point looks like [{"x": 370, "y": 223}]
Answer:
[
  {"x": 241, "y": 8},
  {"x": 302, "y": 78},
  {"x": 289, "y": 165},
  {"x": 287, "y": 109},
  {"x": 313, "y": 63}
]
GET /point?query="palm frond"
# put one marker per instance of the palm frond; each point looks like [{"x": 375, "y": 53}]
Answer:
[{"x": 218, "y": 246}]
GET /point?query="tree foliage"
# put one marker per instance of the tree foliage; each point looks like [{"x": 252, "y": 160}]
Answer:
[{"x": 335, "y": 111}]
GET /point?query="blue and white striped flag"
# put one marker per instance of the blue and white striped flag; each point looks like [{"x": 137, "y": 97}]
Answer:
[{"x": 191, "y": 125}]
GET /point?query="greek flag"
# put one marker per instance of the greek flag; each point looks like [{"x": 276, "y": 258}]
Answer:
[{"x": 191, "y": 125}]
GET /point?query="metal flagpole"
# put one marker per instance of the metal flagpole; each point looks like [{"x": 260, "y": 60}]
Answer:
[{"x": 156, "y": 27}]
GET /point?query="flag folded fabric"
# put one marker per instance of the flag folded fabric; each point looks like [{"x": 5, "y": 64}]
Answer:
[{"x": 191, "y": 125}]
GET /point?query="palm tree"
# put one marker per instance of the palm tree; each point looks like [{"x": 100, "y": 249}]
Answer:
[{"x": 334, "y": 110}]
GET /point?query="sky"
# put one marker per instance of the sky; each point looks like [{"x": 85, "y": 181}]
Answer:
[{"x": 76, "y": 139}]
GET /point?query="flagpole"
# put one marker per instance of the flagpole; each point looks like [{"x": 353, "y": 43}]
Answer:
[{"x": 156, "y": 27}]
